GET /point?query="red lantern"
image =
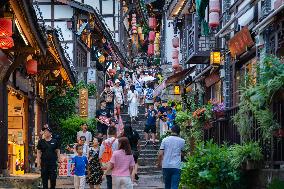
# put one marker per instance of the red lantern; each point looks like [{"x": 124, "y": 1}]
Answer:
[
  {"x": 112, "y": 72},
  {"x": 152, "y": 23},
  {"x": 175, "y": 42},
  {"x": 175, "y": 64},
  {"x": 214, "y": 6},
  {"x": 175, "y": 54},
  {"x": 150, "y": 50},
  {"x": 31, "y": 67},
  {"x": 214, "y": 19},
  {"x": 5, "y": 27},
  {"x": 6, "y": 42},
  {"x": 152, "y": 36}
]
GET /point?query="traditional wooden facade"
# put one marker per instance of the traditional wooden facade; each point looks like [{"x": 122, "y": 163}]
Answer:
[{"x": 36, "y": 61}]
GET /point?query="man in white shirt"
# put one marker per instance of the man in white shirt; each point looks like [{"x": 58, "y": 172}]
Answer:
[
  {"x": 169, "y": 158},
  {"x": 84, "y": 132}
]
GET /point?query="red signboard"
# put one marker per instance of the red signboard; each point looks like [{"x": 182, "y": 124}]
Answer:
[{"x": 239, "y": 43}]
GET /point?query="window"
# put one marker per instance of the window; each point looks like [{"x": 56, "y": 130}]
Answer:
[{"x": 81, "y": 58}]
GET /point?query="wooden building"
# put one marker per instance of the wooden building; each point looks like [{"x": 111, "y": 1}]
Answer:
[{"x": 34, "y": 60}]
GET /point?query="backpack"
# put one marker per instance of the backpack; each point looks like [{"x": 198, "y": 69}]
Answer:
[
  {"x": 149, "y": 94},
  {"x": 106, "y": 156}
]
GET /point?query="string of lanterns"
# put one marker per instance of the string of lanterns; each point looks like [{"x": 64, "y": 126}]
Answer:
[{"x": 152, "y": 36}]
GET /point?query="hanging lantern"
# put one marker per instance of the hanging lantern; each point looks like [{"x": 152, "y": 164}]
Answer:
[
  {"x": 152, "y": 36},
  {"x": 214, "y": 6},
  {"x": 5, "y": 27},
  {"x": 214, "y": 19},
  {"x": 150, "y": 50},
  {"x": 175, "y": 64},
  {"x": 6, "y": 42},
  {"x": 175, "y": 54},
  {"x": 152, "y": 23},
  {"x": 112, "y": 72},
  {"x": 175, "y": 42},
  {"x": 102, "y": 59},
  {"x": 31, "y": 66},
  {"x": 139, "y": 30}
]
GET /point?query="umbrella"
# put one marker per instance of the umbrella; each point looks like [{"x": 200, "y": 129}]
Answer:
[{"x": 148, "y": 78}]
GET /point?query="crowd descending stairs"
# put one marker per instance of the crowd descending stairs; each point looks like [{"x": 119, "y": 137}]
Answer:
[{"x": 148, "y": 155}]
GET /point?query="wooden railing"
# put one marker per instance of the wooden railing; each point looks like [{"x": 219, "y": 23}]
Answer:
[{"x": 224, "y": 131}]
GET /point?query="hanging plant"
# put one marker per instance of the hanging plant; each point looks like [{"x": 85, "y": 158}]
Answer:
[{"x": 256, "y": 99}]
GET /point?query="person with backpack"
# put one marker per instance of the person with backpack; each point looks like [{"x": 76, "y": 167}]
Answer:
[
  {"x": 106, "y": 150},
  {"x": 149, "y": 95}
]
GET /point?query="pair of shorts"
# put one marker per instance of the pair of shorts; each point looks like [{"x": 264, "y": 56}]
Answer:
[
  {"x": 102, "y": 129},
  {"x": 150, "y": 128}
]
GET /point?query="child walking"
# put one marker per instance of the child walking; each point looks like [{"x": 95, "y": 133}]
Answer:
[{"x": 79, "y": 166}]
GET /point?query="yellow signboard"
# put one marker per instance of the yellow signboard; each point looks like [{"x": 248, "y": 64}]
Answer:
[
  {"x": 83, "y": 102},
  {"x": 177, "y": 90},
  {"x": 20, "y": 159}
]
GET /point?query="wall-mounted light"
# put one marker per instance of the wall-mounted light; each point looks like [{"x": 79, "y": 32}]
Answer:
[{"x": 215, "y": 58}]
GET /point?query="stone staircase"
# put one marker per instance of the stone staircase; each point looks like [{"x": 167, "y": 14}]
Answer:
[{"x": 148, "y": 156}]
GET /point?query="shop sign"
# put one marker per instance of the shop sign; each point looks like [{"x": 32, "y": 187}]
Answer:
[
  {"x": 177, "y": 90},
  {"x": 240, "y": 42},
  {"x": 83, "y": 100},
  {"x": 19, "y": 167},
  {"x": 212, "y": 79},
  {"x": 65, "y": 165}
]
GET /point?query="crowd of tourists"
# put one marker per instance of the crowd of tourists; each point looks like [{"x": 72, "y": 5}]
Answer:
[{"x": 113, "y": 153}]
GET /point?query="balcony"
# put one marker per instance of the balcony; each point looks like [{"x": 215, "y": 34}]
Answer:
[{"x": 196, "y": 45}]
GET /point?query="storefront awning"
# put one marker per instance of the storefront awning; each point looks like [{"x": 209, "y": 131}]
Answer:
[{"x": 179, "y": 76}]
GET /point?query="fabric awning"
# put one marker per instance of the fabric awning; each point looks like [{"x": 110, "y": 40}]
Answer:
[{"x": 179, "y": 76}]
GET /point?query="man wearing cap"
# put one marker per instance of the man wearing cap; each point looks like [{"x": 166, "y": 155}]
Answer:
[
  {"x": 48, "y": 154},
  {"x": 169, "y": 158}
]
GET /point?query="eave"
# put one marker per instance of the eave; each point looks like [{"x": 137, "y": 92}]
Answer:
[
  {"x": 26, "y": 16},
  {"x": 57, "y": 52},
  {"x": 99, "y": 23}
]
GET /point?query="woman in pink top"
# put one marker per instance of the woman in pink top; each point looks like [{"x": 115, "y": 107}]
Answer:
[{"x": 121, "y": 164}]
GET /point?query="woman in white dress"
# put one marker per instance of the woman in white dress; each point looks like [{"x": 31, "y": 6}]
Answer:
[
  {"x": 132, "y": 97},
  {"x": 118, "y": 99}
]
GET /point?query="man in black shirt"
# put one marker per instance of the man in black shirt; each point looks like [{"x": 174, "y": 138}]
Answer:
[
  {"x": 103, "y": 116},
  {"x": 47, "y": 155}
]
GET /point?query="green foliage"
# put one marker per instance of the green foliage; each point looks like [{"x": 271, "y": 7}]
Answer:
[
  {"x": 276, "y": 184},
  {"x": 61, "y": 104},
  {"x": 209, "y": 168},
  {"x": 256, "y": 99},
  {"x": 70, "y": 126},
  {"x": 240, "y": 154}
]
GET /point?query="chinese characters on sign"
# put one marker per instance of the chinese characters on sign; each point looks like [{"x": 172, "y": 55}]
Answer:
[
  {"x": 83, "y": 102},
  {"x": 239, "y": 43}
]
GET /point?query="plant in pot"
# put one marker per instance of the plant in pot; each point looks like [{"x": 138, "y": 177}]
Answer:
[
  {"x": 218, "y": 109},
  {"x": 246, "y": 156}
]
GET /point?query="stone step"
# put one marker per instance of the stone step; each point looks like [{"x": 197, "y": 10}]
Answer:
[{"x": 149, "y": 161}]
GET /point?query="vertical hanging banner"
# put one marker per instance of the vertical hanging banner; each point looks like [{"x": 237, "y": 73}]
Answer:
[
  {"x": 20, "y": 159},
  {"x": 83, "y": 102}
]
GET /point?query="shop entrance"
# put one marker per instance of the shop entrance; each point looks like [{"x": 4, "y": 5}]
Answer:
[{"x": 17, "y": 131}]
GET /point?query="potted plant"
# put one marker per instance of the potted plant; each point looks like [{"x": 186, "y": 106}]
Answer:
[{"x": 218, "y": 109}]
